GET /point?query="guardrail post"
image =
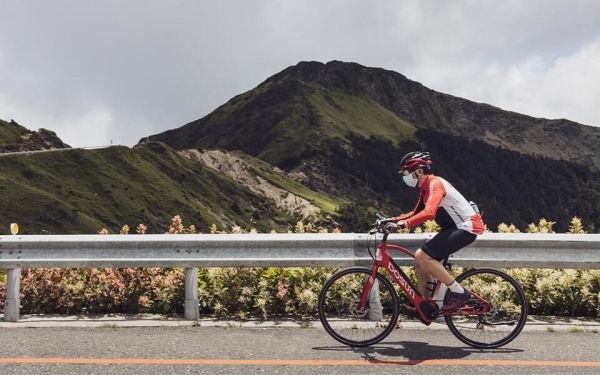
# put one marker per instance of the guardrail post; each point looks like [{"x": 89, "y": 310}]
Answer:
[
  {"x": 12, "y": 303},
  {"x": 191, "y": 309},
  {"x": 375, "y": 308}
]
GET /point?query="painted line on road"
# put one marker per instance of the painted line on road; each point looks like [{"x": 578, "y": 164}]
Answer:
[{"x": 298, "y": 362}]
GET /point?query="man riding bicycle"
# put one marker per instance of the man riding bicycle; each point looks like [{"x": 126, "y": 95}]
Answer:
[{"x": 460, "y": 224}]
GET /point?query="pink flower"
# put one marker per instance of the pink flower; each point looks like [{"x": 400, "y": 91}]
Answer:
[{"x": 282, "y": 289}]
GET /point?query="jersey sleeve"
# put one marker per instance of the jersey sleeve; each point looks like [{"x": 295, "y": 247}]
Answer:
[
  {"x": 436, "y": 193},
  {"x": 404, "y": 216}
]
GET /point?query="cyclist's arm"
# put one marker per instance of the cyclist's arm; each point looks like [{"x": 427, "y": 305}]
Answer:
[
  {"x": 436, "y": 193},
  {"x": 403, "y": 216}
]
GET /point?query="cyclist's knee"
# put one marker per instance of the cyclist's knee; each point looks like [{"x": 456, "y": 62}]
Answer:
[{"x": 421, "y": 256}]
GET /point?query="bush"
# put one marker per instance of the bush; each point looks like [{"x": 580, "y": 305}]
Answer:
[
  {"x": 263, "y": 292},
  {"x": 256, "y": 292},
  {"x": 100, "y": 290}
]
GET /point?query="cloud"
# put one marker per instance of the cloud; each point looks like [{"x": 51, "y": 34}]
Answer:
[{"x": 95, "y": 71}]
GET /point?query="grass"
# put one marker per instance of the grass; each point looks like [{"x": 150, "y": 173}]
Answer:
[
  {"x": 81, "y": 191},
  {"x": 575, "y": 330},
  {"x": 10, "y": 133},
  {"x": 550, "y": 329},
  {"x": 109, "y": 325},
  {"x": 343, "y": 114}
]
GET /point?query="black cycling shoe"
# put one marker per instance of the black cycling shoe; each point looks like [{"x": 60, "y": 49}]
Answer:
[
  {"x": 456, "y": 300},
  {"x": 413, "y": 313}
]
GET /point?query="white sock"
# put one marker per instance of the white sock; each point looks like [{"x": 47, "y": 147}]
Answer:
[{"x": 456, "y": 287}]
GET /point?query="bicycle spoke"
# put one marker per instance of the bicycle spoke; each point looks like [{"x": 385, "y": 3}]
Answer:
[
  {"x": 344, "y": 318},
  {"x": 493, "y": 318}
]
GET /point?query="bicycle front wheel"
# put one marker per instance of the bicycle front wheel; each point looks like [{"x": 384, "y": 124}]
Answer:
[
  {"x": 342, "y": 316},
  {"x": 494, "y": 315}
]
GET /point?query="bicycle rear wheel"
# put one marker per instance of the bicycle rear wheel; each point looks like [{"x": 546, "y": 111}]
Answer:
[
  {"x": 494, "y": 315},
  {"x": 340, "y": 314}
]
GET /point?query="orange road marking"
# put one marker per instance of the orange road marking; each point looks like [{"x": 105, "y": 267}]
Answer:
[{"x": 297, "y": 362}]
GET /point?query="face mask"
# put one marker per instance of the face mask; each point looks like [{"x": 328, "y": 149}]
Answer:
[{"x": 410, "y": 180}]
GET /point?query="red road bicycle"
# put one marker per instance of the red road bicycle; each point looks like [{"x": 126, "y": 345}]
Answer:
[{"x": 359, "y": 306}]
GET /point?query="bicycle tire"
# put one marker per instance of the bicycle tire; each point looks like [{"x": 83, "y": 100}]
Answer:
[
  {"x": 339, "y": 324},
  {"x": 508, "y": 301}
]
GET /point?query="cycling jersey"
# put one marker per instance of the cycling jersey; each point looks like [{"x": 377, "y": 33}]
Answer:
[{"x": 441, "y": 201}]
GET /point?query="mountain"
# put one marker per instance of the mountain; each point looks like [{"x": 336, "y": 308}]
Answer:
[
  {"x": 81, "y": 191},
  {"x": 16, "y": 138},
  {"x": 343, "y": 127}
]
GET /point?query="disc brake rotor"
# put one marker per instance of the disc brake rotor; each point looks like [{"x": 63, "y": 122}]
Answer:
[{"x": 356, "y": 312}]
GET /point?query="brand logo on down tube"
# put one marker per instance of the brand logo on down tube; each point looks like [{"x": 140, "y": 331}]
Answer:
[{"x": 407, "y": 288}]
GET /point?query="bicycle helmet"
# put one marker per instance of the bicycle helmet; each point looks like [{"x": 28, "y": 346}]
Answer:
[{"x": 415, "y": 160}]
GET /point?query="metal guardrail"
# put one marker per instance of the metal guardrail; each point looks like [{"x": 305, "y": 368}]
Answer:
[{"x": 271, "y": 250}]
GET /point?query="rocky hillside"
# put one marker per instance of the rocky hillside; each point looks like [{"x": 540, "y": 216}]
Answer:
[
  {"x": 343, "y": 127},
  {"x": 16, "y": 138}
]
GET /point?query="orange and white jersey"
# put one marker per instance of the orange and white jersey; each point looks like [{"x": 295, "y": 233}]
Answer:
[{"x": 439, "y": 200}]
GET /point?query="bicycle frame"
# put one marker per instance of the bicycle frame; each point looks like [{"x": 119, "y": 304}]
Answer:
[{"x": 384, "y": 259}]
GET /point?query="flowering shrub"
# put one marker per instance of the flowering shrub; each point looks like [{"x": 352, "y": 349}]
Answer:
[
  {"x": 576, "y": 227},
  {"x": 262, "y": 292},
  {"x": 100, "y": 290},
  {"x": 256, "y": 292},
  {"x": 503, "y": 228},
  {"x": 544, "y": 226}
]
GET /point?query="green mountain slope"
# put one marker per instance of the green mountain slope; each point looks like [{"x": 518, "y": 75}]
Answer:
[
  {"x": 296, "y": 106},
  {"x": 81, "y": 191},
  {"x": 344, "y": 127},
  {"x": 10, "y": 132}
]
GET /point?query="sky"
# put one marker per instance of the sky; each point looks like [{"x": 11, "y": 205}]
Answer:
[{"x": 114, "y": 71}]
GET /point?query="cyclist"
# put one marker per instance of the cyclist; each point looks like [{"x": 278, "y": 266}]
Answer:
[{"x": 460, "y": 224}]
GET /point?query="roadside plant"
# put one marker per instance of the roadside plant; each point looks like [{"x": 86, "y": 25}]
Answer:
[
  {"x": 141, "y": 229},
  {"x": 176, "y": 225},
  {"x": 544, "y": 226},
  {"x": 430, "y": 226},
  {"x": 299, "y": 227},
  {"x": 576, "y": 226},
  {"x": 503, "y": 228}
]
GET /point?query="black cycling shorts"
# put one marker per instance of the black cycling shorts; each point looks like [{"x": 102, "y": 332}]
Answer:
[{"x": 448, "y": 242}]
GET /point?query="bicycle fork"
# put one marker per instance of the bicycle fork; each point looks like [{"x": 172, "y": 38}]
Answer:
[{"x": 370, "y": 297}]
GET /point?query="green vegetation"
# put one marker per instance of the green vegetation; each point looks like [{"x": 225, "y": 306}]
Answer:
[
  {"x": 80, "y": 191},
  {"x": 10, "y": 133},
  {"x": 345, "y": 127},
  {"x": 342, "y": 114},
  {"x": 258, "y": 292}
]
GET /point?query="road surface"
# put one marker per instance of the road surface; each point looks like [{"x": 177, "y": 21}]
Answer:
[{"x": 209, "y": 350}]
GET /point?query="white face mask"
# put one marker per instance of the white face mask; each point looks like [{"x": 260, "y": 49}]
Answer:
[{"x": 410, "y": 180}]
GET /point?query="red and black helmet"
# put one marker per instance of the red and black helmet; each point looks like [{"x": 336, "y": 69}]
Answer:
[{"x": 415, "y": 160}]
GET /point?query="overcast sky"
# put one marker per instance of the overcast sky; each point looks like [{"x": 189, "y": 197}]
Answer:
[{"x": 96, "y": 71}]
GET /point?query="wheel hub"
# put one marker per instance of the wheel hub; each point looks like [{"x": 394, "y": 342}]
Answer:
[{"x": 356, "y": 311}]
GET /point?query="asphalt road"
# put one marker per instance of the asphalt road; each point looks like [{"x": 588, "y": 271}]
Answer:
[{"x": 200, "y": 350}]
